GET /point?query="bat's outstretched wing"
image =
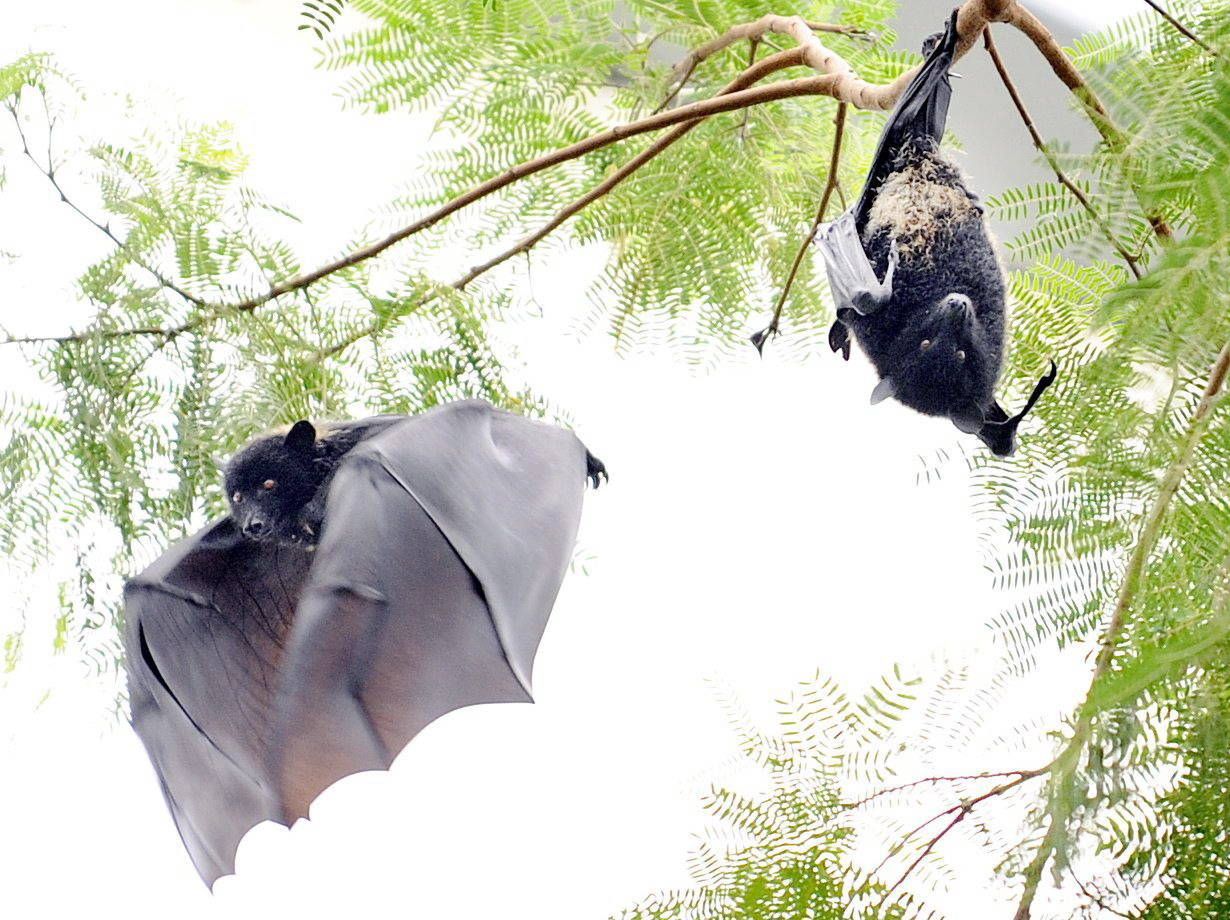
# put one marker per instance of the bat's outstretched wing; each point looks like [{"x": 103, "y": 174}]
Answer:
[
  {"x": 259, "y": 674},
  {"x": 205, "y": 627},
  {"x": 445, "y": 543}
]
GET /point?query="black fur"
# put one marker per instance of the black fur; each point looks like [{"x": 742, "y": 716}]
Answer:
[
  {"x": 300, "y": 464},
  {"x": 942, "y": 353},
  {"x": 934, "y": 327}
]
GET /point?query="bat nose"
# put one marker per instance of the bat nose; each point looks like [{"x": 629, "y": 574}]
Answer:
[
  {"x": 958, "y": 302},
  {"x": 254, "y": 527}
]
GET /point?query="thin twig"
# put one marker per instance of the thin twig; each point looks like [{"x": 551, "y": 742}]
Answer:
[
  {"x": 49, "y": 172},
  {"x": 1049, "y": 156},
  {"x": 683, "y": 79},
  {"x": 931, "y": 780},
  {"x": 960, "y": 816},
  {"x": 1095, "y": 898},
  {"x": 751, "y": 59},
  {"x": 830, "y": 186},
  {"x": 962, "y": 810},
  {"x": 1068, "y": 761},
  {"x": 1183, "y": 30},
  {"x": 752, "y": 75}
]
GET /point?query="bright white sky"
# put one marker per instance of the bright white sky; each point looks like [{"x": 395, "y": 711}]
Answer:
[{"x": 762, "y": 523}]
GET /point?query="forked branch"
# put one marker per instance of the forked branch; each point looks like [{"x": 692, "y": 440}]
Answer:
[{"x": 836, "y": 80}]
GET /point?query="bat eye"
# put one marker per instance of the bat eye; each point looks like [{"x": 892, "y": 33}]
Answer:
[
  {"x": 960, "y": 355},
  {"x": 268, "y": 484},
  {"x": 924, "y": 344},
  {"x": 237, "y": 498}
]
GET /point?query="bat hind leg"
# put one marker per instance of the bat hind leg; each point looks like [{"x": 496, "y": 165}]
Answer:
[{"x": 595, "y": 470}]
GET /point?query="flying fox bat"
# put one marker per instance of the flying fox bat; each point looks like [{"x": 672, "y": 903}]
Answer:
[
  {"x": 372, "y": 577},
  {"x": 914, "y": 273}
]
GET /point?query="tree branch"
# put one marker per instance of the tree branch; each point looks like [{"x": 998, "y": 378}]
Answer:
[
  {"x": 1183, "y": 30},
  {"x": 1068, "y": 761},
  {"x": 1021, "y": 18},
  {"x": 49, "y": 172},
  {"x": 830, "y": 186},
  {"x": 1132, "y": 263},
  {"x": 754, "y": 32},
  {"x": 929, "y": 780},
  {"x": 752, "y": 75},
  {"x": 962, "y": 810},
  {"x": 837, "y": 80}
]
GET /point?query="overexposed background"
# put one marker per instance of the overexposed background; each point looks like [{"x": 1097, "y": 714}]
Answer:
[{"x": 761, "y": 523}]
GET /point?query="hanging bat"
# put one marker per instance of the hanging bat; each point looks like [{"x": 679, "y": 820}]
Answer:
[
  {"x": 372, "y": 576},
  {"x": 914, "y": 273}
]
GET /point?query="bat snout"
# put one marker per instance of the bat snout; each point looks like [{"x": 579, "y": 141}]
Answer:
[
  {"x": 958, "y": 303},
  {"x": 255, "y": 528}
]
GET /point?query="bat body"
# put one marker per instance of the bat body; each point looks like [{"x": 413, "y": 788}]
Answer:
[
  {"x": 263, "y": 669},
  {"x": 277, "y": 484},
  {"x": 915, "y": 273}
]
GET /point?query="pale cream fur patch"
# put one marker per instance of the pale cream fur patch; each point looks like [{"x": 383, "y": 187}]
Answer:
[{"x": 912, "y": 205}]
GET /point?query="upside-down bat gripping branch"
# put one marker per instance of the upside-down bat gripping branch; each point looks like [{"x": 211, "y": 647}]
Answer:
[
  {"x": 263, "y": 668},
  {"x": 915, "y": 276}
]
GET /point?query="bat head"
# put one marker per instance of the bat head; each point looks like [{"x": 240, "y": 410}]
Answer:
[
  {"x": 943, "y": 364},
  {"x": 269, "y": 481}
]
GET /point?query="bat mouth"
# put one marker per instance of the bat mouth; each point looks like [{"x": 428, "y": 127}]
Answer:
[{"x": 257, "y": 530}]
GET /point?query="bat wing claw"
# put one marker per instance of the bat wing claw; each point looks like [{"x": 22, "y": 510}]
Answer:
[{"x": 852, "y": 277}]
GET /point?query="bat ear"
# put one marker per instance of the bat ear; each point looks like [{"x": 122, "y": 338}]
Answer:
[
  {"x": 301, "y": 436},
  {"x": 884, "y": 389},
  {"x": 968, "y": 418}
]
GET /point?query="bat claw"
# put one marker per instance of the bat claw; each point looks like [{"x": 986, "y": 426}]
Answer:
[
  {"x": 839, "y": 339},
  {"x": 759, "y": 339},
  {"x": 595, "y": 470}
]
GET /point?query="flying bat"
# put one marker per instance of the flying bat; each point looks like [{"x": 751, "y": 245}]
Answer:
[{"x": 372, "y": 576}]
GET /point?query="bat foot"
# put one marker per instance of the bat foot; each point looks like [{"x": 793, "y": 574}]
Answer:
[
  {"x": 759, "y": 339},
  {"x": 595, "y": 470},
  {"x": 839, "y": 339}
]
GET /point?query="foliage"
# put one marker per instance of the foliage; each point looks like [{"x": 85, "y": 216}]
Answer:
[
  {"x": 789, "y": 850},
  {"x": 1115, "y": 515},
  {"x": 1114, "y": 512},
  {"x": 694, "y": 263},
  {"x": 113, "y": 448},
  {"x": 139, "y": 419}
]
